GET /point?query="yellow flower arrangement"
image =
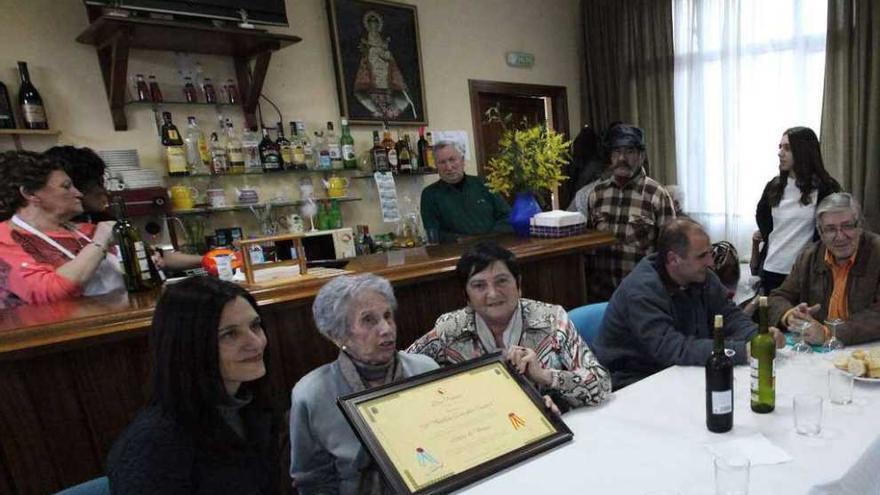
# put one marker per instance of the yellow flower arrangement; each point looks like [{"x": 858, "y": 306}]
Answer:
[{"x": 530, "y": 159}]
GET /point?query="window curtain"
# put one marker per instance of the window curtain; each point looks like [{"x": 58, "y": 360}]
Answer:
[
  {"x": 851, "y": 111},
  {"x": 628, "y": 62},
  {"x": 745, "y": 71}
]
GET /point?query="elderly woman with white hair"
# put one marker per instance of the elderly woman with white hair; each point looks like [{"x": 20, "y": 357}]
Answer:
[{"x": 357, "y": 314}]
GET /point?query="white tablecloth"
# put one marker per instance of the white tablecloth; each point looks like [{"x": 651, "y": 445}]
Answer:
[{"x": 651, "y": 436}]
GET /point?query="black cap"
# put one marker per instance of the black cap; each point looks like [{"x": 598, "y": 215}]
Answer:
[{"x": 625, "y": 136}]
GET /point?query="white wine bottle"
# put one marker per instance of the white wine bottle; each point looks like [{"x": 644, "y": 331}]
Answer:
[{"x": 762, "y": 363}]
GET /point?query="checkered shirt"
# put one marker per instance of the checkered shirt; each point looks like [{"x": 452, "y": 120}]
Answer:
[{"x": 634, "y": 213}]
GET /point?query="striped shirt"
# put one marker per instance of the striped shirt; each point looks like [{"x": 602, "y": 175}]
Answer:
[{"x": 634, "y": 213}]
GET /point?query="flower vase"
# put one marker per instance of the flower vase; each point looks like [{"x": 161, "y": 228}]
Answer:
[{"x": 525, "y": 206}]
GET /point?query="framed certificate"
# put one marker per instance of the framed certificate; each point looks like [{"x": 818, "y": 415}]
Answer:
[{"x": 442, "y": 430}]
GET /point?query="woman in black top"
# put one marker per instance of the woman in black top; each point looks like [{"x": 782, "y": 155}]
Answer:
[
  {"x": 801, "y": 166},
  {"x": 209, "y": 427}
]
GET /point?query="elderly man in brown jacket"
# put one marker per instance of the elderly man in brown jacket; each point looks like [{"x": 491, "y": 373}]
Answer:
[{"x": 836, "y": 277}]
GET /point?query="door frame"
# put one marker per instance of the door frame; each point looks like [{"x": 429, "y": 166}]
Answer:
[{"x": 558, "y": 106}]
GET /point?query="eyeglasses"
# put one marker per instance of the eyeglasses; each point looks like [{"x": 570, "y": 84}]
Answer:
[{"x": 844, "y": 228}]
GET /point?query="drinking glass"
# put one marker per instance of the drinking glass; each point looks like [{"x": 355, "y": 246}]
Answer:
[
  {"x": 801, "y": 346},
  {"x": 833, "y": 344},
  {"x": 808, "y": 415},
  {"x": 840, "y": 387},
  {"x": 732, "y": 475}
]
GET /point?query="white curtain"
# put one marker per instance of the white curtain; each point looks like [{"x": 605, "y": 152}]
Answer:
[{"x": 745, "y": 71}]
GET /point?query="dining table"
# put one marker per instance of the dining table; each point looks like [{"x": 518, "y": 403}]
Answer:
[{"x": 651, "y": 438}]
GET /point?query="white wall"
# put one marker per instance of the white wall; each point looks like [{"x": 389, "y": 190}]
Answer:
[{"x": 460, "y": 40}]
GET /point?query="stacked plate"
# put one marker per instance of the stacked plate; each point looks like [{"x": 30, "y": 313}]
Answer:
[{"x": 124, "y": 166}]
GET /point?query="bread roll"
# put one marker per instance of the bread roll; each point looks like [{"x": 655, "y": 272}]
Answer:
[
  {"x": 841, "y": 362},
  {"x": 873, "y": 365},
  {"x": 857, "y": 367},
  {"x": 859, "y": 354},
  {"x": 874, "y": 353}
]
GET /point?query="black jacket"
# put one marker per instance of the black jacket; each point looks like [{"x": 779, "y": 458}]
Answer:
[
  {"x": 156, "y": 455},
  {"x": 764, "y": 216}
]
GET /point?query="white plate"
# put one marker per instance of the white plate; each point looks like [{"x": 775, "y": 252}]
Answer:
[{"x": 866, "y": 379}]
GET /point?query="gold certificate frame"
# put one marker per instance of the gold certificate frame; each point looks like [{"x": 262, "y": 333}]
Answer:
[{"x": 445, "y": 429}]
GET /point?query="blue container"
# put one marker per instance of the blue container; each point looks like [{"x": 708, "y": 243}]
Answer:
[{"x": 525, "y": 206}]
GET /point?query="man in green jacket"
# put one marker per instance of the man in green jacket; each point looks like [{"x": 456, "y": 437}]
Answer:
[{"x": 459, "y": 204}]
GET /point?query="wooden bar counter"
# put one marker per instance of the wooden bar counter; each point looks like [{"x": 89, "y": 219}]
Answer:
[{"x": 74, "y": 373}]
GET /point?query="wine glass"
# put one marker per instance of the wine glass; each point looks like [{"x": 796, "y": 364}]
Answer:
[
  {"x": 833, "y": 344},
  {"x": 801, "y": 346}
]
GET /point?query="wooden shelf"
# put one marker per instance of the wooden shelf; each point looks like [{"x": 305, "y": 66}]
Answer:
[
  {"x": 241, "y": 206},
  {"x": 17, "y": 133},
  {"x": 114, "y": 37}
]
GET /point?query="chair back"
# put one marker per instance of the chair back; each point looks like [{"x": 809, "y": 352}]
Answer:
[
  {"x": 588, "y": 319},
  {"x": 97, "y": 486}
]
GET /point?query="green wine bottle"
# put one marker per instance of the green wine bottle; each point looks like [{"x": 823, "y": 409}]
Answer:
[
  {"x": 762, "y": 361},
  {"x": 139, "y": 272}
]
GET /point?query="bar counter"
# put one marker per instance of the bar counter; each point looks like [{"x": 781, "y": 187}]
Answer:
[{"x": 74, "y": 373}]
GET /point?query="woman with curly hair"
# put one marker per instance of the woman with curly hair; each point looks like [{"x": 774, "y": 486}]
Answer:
[
  {"x": 43, "y": 255},
  {"x": 786, "y": 210}
]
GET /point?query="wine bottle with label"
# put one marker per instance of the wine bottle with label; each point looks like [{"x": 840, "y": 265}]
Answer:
[
  {"x": 719, "y": 384},
  {"x": 33, "y": 113},
  {"x": 349, "y": 161},
  {"x": 762, "y": 363},
  {"x": 139, "y": 271},
  {"x": 270, "y": 155},
  {"x": 7, "y": 115},
  {"x": 175, "y": 154}
]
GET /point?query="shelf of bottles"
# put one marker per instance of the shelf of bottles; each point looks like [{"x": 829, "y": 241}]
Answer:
[
  {"x": 397, "y": 174},
  {"x": 272, "y": 173},
  {"x": 207, "y": 210}
]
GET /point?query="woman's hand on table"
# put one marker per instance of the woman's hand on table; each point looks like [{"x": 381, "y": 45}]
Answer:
[{"x": 525, "y": 361}]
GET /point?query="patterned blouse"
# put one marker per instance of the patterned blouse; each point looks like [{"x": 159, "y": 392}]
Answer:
[{"x": 546, "y": 329}]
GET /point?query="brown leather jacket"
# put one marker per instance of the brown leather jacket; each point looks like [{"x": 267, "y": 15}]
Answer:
[{"x": 811, "y": 281}]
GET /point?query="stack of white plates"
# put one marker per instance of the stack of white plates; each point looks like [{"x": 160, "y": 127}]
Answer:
[{"x": 124, "y": 166}]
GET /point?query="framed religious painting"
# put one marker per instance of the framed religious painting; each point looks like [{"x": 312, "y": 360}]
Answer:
[
  {"x": 442, "y": 430},
  {"x": 378, "y": 61}
]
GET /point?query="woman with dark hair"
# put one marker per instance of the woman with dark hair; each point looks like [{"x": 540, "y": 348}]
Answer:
[
  {"x": 86, "y": 169},
  {"x": 786, "y": 210},
  {"x": 356, "y": 313},
  {"x": 45, "y": 257},
  {"x": 210, "y": 426},
  {"x": 538, "y": 338}
]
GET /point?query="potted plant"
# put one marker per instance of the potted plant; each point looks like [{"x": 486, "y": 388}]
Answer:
[{"x": 530, "y": 159}]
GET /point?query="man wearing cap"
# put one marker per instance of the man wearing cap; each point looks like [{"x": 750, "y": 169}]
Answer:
[
  {"x": 628, "y": 204},
  {"x": 460, "y": 205}
]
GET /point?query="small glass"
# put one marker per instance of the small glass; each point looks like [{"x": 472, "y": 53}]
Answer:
[
  {"x": 732, "y": 475},
  {"x": 833, "y": 344},
  {"x": 808, "y": 415},
  {"x": 840, "y": 387},
  {"x": 801, "y": 346}
]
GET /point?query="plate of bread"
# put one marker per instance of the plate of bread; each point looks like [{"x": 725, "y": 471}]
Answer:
[{"x": 863, "y": 364}]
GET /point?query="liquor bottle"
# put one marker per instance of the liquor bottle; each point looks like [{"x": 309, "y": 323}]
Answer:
[
  {"x": 7, "y": 115},
  {"x": 379, "y": 155},
  {"x": 33, "y": 112},
  {"x": 231, "y": 92},
  {"x": 297, "y": 150},
  {"x": 308, "y": 149},
  {"x": 333, "y": 147},
  {"x": 189, "y": 90},
  {"x": 369, "y": 245},
  {"x": 197, "y": 156},
  {"x": 269, "y": 154},
  {"x": 284, "y": 149},
  {"x": 175, "y": 155},
  {"x": 139, "y": 272},
  {"x": 413, "y": 155},
  {"x": 210, "y": 92},
  {"x": 323, "y": 152},
  {"x": 719, "y": 384},
  {"x": 143, "y": 91},
  {"x": 426, "y": 151},
  {"x": 349, "y": 161},
  {"x": 233, "y": 150},
  {"x": 762, "y": 363},
  {"x": 155, "y": 92},
  {"x": 250, "y": 147},
  {"x": 219, "y": 157},
  {"x": 404, "y": 160},
  {"x": 429, "y": 152}
]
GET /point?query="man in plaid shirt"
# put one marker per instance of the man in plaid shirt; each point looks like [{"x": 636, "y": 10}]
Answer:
[{"x": 630, "y": 205}]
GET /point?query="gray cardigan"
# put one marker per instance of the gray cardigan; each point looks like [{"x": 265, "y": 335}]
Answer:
[
  {"x": 325, "y": 454},
  {"x": 650, "y": 324}
]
